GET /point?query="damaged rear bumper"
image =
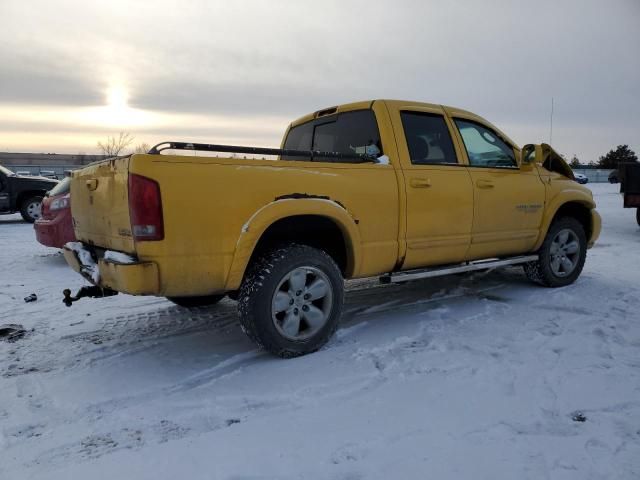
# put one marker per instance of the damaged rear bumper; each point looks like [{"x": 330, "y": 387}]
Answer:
[{"x": 135, "y": 278}]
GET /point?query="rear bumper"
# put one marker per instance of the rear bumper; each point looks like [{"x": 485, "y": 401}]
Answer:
[
  {"x": 55, "y": 232},
  {"x": 140, "y": 278},
  {"x": 596, "y": 227}
]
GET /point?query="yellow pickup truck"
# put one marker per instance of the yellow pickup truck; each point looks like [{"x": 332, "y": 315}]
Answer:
[{"x": 396, "y": 189}]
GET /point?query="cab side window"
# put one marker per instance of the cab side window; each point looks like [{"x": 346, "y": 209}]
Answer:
[
  {"x": 428, "y": 138},
  {"x": 349, "y": 133},
  {"x": 484, "y": 147}
]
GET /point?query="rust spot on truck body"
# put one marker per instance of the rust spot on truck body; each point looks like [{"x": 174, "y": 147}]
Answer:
[{"x": 298, "y": 195}]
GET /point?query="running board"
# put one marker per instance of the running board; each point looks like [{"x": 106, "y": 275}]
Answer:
[{"x": 408, "y": 275}]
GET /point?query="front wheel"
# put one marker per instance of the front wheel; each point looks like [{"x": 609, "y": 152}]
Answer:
[
  {"x": 561, "y": 256},
  {"x": 31, "y": 209},
  {"x": 192, "y": 302},
  {"x": 291, "y": 300}
]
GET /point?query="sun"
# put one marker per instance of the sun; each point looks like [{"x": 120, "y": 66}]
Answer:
[
  {"x": 116, "y": 112},
  {"x": 117, "y": 98}
]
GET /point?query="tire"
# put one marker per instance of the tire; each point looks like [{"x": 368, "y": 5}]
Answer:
[
  {"x": 561, "y": 256},
  {"x": 291, "y": 299},
  {"x": 31, "y": 209},
  {"x": 638, "y": 215},
  {"x": 193, "y": 302}
]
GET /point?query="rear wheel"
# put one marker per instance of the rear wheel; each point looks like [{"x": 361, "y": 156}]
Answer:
[
  {"x": 562, "y": 255},
  {"x": 291, "y": 300},
  {"x": 191, "y": 302},
  {"x": 31, "y": 209}
]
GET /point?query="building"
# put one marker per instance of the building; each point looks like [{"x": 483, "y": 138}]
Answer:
[{"x": 45, "y": 163}]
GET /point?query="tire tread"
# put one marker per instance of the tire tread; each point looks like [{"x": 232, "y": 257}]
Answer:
[
  {"x": 539, "y": 272},
  {"x": 253, "y": 287}
]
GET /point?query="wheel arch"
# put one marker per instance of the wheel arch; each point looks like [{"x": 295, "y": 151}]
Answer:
[
  {"x": 26, "y": 194},
  {"x": 319, "y": 222},
  {"x": 580, "y": 209}
]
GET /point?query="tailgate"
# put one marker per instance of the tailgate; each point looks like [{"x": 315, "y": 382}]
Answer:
[{"x": 100, "y": 205}]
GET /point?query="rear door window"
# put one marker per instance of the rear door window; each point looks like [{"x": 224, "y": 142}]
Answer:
[
  {"x": 349, "y": 133},
  {"x": 428, "y": 139}
]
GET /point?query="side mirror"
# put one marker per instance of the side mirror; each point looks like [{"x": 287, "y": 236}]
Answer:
[{"x": 528, "y": 154}]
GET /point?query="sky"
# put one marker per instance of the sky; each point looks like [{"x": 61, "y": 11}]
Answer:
[{"x": 74, "y": 72}]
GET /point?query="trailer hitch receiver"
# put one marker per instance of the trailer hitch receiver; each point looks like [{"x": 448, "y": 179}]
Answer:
[{"x": 92, "y": 291}]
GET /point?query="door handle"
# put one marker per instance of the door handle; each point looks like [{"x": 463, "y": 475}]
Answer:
[
  {"x": 92, "y": 184},
  {"x": 484, "y": 184},
  {"x": 420, "y": 182}
]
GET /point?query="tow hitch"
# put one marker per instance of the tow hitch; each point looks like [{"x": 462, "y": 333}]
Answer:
[{"x": 92, "y": 291}]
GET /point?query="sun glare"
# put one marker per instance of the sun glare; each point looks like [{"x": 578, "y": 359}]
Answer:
[
  {"x": 117, "y": 98},
  {"x": 116, "y": 113}
]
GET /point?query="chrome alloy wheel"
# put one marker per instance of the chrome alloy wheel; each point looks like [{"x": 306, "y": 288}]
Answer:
[
  {"x": 302, "y": 303},
  {"x": 564, "y": 252}
]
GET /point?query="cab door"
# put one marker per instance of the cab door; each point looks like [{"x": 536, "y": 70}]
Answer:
[
  {"x": 438, "y": 187},
  {"x": 508, "y": 196}
]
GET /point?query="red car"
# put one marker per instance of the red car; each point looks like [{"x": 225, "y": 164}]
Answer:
[{"x": 55, "y": 228}]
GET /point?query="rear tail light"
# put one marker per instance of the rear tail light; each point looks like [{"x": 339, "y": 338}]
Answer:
[
  {"x": 45, "y": 210},
  {"x": 145, "y": 208},
  {"x": 60, "y": 203}
]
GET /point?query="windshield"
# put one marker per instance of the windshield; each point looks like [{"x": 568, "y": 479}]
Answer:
[
  {"x": 61, "y": 188},
  {"x": 5, "y": 170}
]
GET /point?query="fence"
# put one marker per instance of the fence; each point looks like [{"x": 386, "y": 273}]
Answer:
[{"x": 595, "y": 175}]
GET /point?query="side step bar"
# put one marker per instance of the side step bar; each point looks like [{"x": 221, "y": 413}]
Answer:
[{"x": 397, "y": 277}]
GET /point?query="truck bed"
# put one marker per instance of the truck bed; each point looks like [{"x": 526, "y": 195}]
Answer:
[{"x": 209, "y": 204}]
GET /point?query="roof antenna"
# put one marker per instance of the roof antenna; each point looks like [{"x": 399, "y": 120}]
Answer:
[{"x": 551, "y": 126}]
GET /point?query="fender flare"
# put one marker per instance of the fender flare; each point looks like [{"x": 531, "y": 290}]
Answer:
[
  {"x": 263, "y": 218},
  {"x": 563, "y": 198}
]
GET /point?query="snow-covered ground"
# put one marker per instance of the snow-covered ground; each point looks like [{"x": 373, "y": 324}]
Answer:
[{"x": 469, "y": 377}]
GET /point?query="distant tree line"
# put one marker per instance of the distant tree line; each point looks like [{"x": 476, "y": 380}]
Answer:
[
  {"x": 621, "y": 154},
  {"x": 610, "y": 161}
]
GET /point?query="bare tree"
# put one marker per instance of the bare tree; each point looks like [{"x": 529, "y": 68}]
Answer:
[
  {"x": 114, "y": 146},
  {"x": 141, "y": 148}
]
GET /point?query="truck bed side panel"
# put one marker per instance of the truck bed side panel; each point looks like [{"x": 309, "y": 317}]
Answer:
[{"x": 207, "y": 202}]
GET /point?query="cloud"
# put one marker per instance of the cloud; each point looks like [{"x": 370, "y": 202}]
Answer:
[
  {"x": 24, "y": 86},
  {"x": 249, "y": 60}
]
